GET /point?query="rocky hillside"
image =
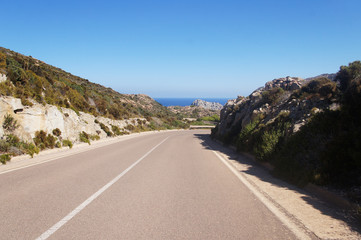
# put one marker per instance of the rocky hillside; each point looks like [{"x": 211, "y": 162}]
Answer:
[
  {"x": 27, "y": 78},
  {"x": 309, "y": 130},
  {"x": 39, "y": 117},
  {"x": 42, "y": 106},
  {"x": 207, "y": 105},
  {"x": 291, "y": 96}
]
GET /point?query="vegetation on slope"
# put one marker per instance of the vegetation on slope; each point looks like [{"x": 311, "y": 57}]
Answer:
[
  {"x": 327, "y": 149},
  {"x": 31, "y": 79}
]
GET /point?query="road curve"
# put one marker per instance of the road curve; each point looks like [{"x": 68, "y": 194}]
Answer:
[{"x": 166, "y": 185}]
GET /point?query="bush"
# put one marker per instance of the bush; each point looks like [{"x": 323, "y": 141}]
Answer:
[
  {"x": 10, "y": 124},
  {"x": 348, "y": 73},
  {"x": 67, "y": 143},
  {"x": 94, "y": 137},
  {"x": 58, "y": 144},
  {"x": 213, "y": 118},
  {"x": 12, "y": 140},
  {"x": 43, "y": 140},
  {"x": 116, "y": 130},
  {"x": 26, "y": 102},
  {"x": 50, "y": 141},
  {"x": 40, "y": 137},
  {"x": 4, "y": 145},
  {"x": 5, "y": 158},
  {"x": 130, "y": 127},
  {"x": 6, "y": 89},
  {"x": 84, "y": 137},
  {"x": 57, "y": 132},
  {"x": 272, "y": 96},
  {"x": 31, "y": 149},
  {"x": 105, "y": 129}
]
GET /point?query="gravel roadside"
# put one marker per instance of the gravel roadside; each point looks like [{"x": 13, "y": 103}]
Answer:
[{"x": 322, "y": 219}]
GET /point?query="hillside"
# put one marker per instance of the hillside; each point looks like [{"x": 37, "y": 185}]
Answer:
[
  {"x": 309, "y": 130},
  {"x": 42, "y": 106},
  {"x": 30, "y": 79},
  {"x": 27, "y": 78}
]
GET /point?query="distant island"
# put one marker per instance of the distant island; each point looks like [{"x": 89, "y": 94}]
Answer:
[
  {"x": 187, "y": 101},
  {"x": 207, "y": 105}
]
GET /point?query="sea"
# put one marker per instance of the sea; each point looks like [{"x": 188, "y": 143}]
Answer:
[{"x": 187, "y": 101}]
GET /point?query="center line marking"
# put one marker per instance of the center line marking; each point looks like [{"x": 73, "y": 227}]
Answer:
[{"x": 59, "y": 224}]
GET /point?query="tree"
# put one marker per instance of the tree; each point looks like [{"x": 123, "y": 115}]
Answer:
[{"x": 348, "y": 73}]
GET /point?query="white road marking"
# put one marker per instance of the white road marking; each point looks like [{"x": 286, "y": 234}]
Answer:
[
  {"x": 299, "y": 233},
  {"x": 63, "y": 221},
  {"x": 70, "y": 152}
]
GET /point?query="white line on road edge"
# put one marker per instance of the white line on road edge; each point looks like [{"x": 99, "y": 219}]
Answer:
[
  {"x": 59, "y": 224},
  {"x": 71, "y": 152},
  {"x": 281, "y": 216}
]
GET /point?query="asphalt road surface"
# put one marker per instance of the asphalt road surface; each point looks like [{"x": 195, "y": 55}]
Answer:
[{"x": 166, "y": 185}]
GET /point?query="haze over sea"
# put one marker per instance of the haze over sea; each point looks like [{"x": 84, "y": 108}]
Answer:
[{"x": 187, "y": 101}]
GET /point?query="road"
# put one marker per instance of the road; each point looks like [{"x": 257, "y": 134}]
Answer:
[{"x": 167, "y": 185}]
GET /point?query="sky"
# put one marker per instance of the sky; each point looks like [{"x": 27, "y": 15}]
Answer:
[{"x": 185, "y": 48}]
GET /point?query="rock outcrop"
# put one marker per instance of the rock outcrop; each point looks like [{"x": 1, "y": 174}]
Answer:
[
  {"x": 287, "y": 83},
  {"x": 207, "y": 105},
  {"x": 48, "y": 117},
  {"x": 292, "y": 96},
  {"x": 3, "y": 78}
]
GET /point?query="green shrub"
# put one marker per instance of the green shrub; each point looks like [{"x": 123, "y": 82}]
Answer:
[
  {"x": 84, "y": 137},
  {"x": 261, "y": 139},
  {"x": 58, "y": 144},
  {"x": 272, "y": 96},
  {"x": 57, "y": 132},
  {"x": 213, "y": 118},
  {"x": 5, "y": 158},
  {"x": 94, "y": 137},
  {"x": 106, "y": 129},
  {"x": 6, "y": 89},
  {"x": 10, "y": 124},
  {"x": 67, "y": 143},
  {"x": 116, "y": 130},
  {"x": 130, "y": 127},
  {"x": 31, "y": 149},
  {"x": 4, "y": 145},
  {"x": 348, "y": 73},
  {"x": 26, "y": 102},
  {"x": 12, "y": 140},
  {"x": 40, "y": 137},
  {"x": 44, "y": 140},
  {"x": 50, "y": 141}
]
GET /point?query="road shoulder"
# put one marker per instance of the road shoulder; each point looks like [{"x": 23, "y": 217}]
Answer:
[
  {"x": 305, "y": 210},
  {"x": 24, "y": 161}
]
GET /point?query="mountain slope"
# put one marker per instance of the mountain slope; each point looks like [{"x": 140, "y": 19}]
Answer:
[
  {"x": 309, "y": 130},
  {"x": 29, "y": 78},
  {"x": 42, "y": 106}
]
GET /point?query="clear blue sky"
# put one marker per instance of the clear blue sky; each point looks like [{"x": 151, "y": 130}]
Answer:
[{"x": 186, "y": 48}]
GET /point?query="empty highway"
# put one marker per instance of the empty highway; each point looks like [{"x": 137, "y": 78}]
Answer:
[{"x": 167, "y": 185}]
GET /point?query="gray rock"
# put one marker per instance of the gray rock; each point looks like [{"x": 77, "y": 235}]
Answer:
[
  {"x": 48, "y": 117},
  {"x": 237, "y": 113},
  {"x": 207, "y": 105},
  {"x": 3, "y": 77}
]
